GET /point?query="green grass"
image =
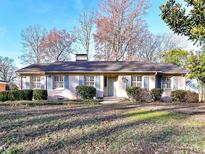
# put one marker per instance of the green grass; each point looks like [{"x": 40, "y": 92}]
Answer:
[{"x": 94, "y": 128}]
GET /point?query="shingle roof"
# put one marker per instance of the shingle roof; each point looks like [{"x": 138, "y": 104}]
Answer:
[{"x": 103, "y": 66}]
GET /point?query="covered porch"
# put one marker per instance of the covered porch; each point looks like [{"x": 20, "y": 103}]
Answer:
[{"x": 114, "y": 85}]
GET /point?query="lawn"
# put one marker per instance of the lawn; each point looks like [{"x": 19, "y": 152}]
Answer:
[{"x": 120, "y": 128}]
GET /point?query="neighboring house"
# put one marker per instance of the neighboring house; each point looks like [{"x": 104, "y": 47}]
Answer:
[
  {"x": 110, "y": 78},
  {"x": 192, "y": 85},
  {"x": 2, "y": 85}
]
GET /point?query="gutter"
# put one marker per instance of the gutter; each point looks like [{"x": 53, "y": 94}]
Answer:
[{"x": 97, "y": 72}]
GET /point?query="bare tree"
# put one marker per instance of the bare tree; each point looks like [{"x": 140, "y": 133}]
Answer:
[
  {"x": 32, "y": 45},
  {"x": 153, "y": 45},
  {"x": 83, "y": 31},
  {"x": 119, "y": 27},
  {"x": 57, "y": 45},
  {"x": 7, "y": 69}
]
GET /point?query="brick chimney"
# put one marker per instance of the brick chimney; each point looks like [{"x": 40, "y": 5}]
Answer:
[{"x": 81, "y": 57}]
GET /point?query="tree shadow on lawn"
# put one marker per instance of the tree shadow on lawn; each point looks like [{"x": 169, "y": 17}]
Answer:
[
  {"x": 70, "y": 113},
  {"x": 29, "y": 111},
  {"x": 73, "y": 124},
  {"x": 99, "y": 134},
  {"x": 62, "y": 114},
  {"x": 79, "y": 110},
  {"x": 157, "y": 141},
  {"x": 86, "y": 122},
  {"x": 65, "y": 125}
]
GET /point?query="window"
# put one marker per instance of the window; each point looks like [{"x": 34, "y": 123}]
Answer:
[
  {"x": 58, "y": 82},
  {"x": 166, "y": 83},
  {"x": 36, "y": 82},
  {"x": 89, "y": 81},
  {"x": 136, "y": 81}
]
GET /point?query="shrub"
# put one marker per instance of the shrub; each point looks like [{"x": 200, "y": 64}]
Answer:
[
  {"x": 178, "y": 95},
  {"x": 4, "y": 96},
  {"x": 191, "y": 97},
  {"x": 86, "y": 92},
  {"x": 26, "y": 94},
  {"x": 15, "y": 95},
  {"x": 131, "y": 91},
  {"x": 156, "y": 94},
  {"x": 40, "y": 94},
  {"x": 11, "y": 86},
  {"x": 184, "y": 96},
  {"x": 139, "y": 94}
]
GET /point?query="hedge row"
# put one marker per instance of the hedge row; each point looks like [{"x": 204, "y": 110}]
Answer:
[
  {"x": 17, "y": 95},
  {"x": 143, "y": 95}
]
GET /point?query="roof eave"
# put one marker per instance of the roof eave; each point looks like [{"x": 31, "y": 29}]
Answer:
[{"x": 97, "y": 72}]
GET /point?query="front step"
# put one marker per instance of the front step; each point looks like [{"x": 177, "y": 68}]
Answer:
[{"x": 112, "y": 100}]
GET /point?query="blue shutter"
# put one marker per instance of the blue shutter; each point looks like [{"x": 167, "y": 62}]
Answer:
[
  {"x": 175, "y": 83},
  {"x": 97, "y": 82},
  {"x": 159, "y": 82},
  {"x": 128, "y": 81},
  {"x": 50, "y": 82},
  {"x": 146, "y": 82},
  {"x": 81, "y": 80},
  {"x": 66, "y": 82}
]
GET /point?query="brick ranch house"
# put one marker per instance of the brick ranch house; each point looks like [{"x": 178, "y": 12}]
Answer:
[
  {"x": 110, "y": 78},
  {"x": 2, "y": 85}
]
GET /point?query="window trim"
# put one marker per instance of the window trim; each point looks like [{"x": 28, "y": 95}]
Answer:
[
  {"x": 136, "y": 81},
  {"x": 89, "y": 81},
  {"x": 163, "y": 82},
  {"x": 34, "y": 82},
  {"x": 62, "y": 82}
]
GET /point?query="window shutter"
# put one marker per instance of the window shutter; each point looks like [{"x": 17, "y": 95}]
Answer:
[
  {"x": 128, "y": 82},
  {"x": 42, "y": 81},
  {"x": 81, "y": 80},
  {"x": 66, "y": 82},
  {"x": 159, "y": 82},
  {"x": 97, "y": 82},
  {"x": 146, "y": 82},
  {"x": 175, "y": 83},
  {"x": 50, "y": 82},
  {"x": 27, "y": 82}
]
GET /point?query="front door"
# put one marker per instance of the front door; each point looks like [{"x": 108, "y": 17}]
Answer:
[{"x": 111, "y": 88}]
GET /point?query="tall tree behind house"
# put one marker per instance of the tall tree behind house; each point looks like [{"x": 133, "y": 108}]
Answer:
[
  {"x": 58, "y": 45},
  {"x": 32, "y": 37},
  {"x": 84, "y": 30},
  {"x": 119, "y": 26}
]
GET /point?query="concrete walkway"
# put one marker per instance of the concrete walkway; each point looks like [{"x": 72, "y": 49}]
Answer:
[{"x": 112, "y": 100}]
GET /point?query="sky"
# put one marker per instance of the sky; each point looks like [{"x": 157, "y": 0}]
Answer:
[{"x": 16, "y": 15}]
